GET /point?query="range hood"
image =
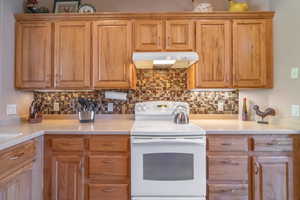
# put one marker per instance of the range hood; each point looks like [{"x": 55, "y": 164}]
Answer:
[{"x": 164, "y": 60}]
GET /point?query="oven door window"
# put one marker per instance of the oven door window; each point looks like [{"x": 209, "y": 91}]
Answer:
[{"x": 168, "y": 166}]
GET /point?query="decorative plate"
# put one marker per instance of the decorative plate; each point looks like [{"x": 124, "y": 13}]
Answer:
[{"x": 87, "y": 8}]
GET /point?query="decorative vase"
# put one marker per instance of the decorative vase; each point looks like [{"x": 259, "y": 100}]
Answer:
[
  {"x": 235, "y": 6},
  {"x": 202, "y": 7}
]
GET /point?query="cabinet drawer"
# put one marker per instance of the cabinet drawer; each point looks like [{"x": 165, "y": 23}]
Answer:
[
  {"x": 228, "y": 143},
  {"x": 109, "y": 143},
  {"x": 13, "y": 158},
  {"x": 67, "y": 144},
  {"x": 273, "y": 143},
  {"x": 228, "y": 192},
  {"x": 109, "y": 165},
  {"x": 108, "y": 191},
  {"x": 228, "y": 168}
]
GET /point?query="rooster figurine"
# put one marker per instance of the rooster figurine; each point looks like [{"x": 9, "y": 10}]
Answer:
[
  {"x": 238, "y": 6},
  {"x": 267, "y": 112}
]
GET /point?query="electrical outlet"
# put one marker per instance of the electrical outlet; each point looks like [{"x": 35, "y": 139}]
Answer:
[
  {"x": 110, "y": 107},
  {"x": 220, "y": 106},
  {"x": 295, "y": 73},
  {"x": 11, "y": 109},
  {"x": 56, "y": 106},
  {"x": 295, "y": 110}
]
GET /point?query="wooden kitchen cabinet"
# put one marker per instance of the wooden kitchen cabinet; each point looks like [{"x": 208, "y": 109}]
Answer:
[
  {"x": 72, "y": 55},
  {"x": 273, "y": 178},
  {"x": 214, "y": 46},
  {"x": 148, "y": 35},
  {"x": 180, "y": 35},
  {"x": 112, "y": 54},
  {"x": 33, "y": 55},
  {"x": 252, "y": 53}
]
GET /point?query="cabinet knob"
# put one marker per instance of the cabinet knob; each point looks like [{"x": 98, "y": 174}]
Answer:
[{"x": 256, "y": 168}]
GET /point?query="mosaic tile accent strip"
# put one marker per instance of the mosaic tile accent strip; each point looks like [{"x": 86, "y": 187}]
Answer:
[{"x": 152, "y": 85}]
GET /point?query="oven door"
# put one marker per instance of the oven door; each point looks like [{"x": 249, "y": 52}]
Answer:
[{"x": 168, "y": 167}]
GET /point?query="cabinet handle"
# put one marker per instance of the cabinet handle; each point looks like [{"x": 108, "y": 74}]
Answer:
[
  {"x": 169, "y": 40},
  {"x": 16, "y": 157},
  {"x": 107, "y": 161},
  {"x": 256, "y": 167},
  {"x": 108, "y": 190},
  {"x": 158, "y": 41},
  {"x": 226, "y": 144},
  {"x": 228, "y": 162}
]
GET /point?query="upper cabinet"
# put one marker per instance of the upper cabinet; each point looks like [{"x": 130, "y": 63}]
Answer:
[
  {"x": 76, "y": 51},
  {"x": 33, "y": 55},
  {"x": 180, "y": 35},
  {"x": 252, "y": 53},
  {"x": 168, "y": 35},
  {"x": 214, "y": 48},
  {"x": 148, "y": 35},
  {"x": 72, "y": 54},
  {"x": 111, "y": 54}
]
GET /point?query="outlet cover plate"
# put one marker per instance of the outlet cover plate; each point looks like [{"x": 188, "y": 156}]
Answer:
[
  {"x": 56, "y": 107},
  {"x": 11, "y": 109},
  {"x": 110, "y": 107},
  {"x": 295, "y": 73},
  {"x": 295, "y": 110}
]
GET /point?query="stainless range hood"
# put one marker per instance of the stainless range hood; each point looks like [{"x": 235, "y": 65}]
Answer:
[{"x": 164, "y": 60}]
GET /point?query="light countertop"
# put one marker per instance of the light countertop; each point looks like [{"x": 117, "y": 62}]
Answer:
[{"x": 124, "y": 126}]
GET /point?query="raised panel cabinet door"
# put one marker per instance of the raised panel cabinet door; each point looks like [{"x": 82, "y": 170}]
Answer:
[
  {"x": 214, "y": 46},
  {"x": 72, "y": 59},
  {"x": 67, "y": 177},
  {"x": 180, "y": 35},
  {"x": 33, "y": 55},
  {"x": 148, "y": 35},
  {"x": 251, "y": 58},
  {"x": 111, "y": 54},
  {"x": 272, "y": 178}
]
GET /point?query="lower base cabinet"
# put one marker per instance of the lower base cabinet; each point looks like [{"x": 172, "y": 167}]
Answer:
[
  {"x": 228, "y": 191},
  {"x": 84, "y": 167},
  {"x": 273, "y": 178}
]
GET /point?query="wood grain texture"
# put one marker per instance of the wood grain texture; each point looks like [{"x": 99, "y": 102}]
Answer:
[
  {"x": 72, "y": 55},
  {"x": 231, "y": 168},
  {"x": 67, "y": 144},
  {"x": 108, "y": 191},
  {"x": 214, "y": 46},
  {"x": 16, "y": 157},
  {"x": 228, "y": 192},
  {"x": 148, "y": 35},
  {"x": 33, "y": 55},
  {"x": 228, "y": 144},
  {"x": 273, "y": 178},
  {"x": 250, "y": 59},
  {"x": 109, "y": 143},
  {"x": 180, "y": 35},
  {"x": 273, "y": 143},
  {"x": 111, "y": 54}
]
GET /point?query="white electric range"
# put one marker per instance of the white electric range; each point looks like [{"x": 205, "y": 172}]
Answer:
[{"x": 168, "y": 160}]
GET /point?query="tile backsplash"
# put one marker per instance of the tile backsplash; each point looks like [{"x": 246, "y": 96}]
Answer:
[{"x": 152, "y": 85}]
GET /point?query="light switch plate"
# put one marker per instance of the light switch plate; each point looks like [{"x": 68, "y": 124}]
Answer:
[
  {"x": 295, "y": 73},
  {"x": 56, "y": 106},
  {"x": 11, "y": 109},
  {"x": 110, "y": 107},
  {"x": 295, "y": 110}
]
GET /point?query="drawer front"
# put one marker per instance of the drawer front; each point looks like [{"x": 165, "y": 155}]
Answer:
[
  {"x": 228, "y": 192},
  {"x": 273, "y": 143},
  {"x": 109, "y": 143},
  {"x": 228, "y": 168},
  {"x": 13, "y": 158},
  {"x": 228, "y": 143},
  {"x": 108, "y": 191},
  {"x": 67, "y": 144},
  {"x": 109, "y": 165}
]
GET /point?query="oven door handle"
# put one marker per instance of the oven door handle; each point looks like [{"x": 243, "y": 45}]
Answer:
[{"x": 168, "y": 141}]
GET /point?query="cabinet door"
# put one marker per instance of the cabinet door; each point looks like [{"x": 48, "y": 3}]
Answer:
[
  {"x": 67, "y": 177},
  {"x": 33, "y": 55},
  {"x": 214, "y": 48},
  {"x": 111, "y": 54},
  {"x": 18, "y": 186},
  {"x": 148, "y": 35},
  {"x": 272, "y": 178},
  {"x": 180, "y": 35},
  {"x": 252, "y": 61},
  {"x": 72, "y": 59}
]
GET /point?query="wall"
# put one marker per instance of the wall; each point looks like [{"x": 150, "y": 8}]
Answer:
[
  {"x": 8, "y": 95},
  {"x": 158, "y": 5}
]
